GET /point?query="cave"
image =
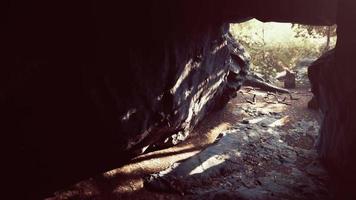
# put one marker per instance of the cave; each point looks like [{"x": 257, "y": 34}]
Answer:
[{"x": 88, "y": 85}]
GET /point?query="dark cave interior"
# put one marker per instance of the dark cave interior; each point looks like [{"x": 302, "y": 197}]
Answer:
[{"x": 87, "y": 85}]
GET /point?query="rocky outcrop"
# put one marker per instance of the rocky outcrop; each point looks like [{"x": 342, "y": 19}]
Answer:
[{"x": 89, "y": 89}]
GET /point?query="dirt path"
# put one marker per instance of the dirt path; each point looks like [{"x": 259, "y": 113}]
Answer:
[{"x": 259, "y": 147}]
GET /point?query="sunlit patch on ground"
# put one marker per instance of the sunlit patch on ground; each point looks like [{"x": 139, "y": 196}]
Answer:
[
  {"x": 264, "y": 149},
  {"x": 129, "y": 179},
  {"x": 268, "y": 154}
]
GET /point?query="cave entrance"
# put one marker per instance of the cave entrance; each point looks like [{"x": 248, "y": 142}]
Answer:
[
  {"x": 260, "y": 146},
  {"x": 267, "y": 149},
  {"x": 277, "y": 47}
]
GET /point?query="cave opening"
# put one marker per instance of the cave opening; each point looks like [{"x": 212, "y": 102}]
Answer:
[
  {"x": 161, "y": 96},
  {"x": 261, "y": 145},
  {"x": 275, "y": 47}
]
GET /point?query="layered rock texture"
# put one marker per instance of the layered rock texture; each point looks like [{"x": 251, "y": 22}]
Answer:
[{"x": 89, "y": 86}]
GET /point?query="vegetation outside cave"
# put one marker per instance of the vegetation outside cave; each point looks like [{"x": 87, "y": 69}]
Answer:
[{"x": 276, "y": 47}]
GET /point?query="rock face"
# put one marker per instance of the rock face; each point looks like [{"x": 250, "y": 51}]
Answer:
[
  {"x": 337, "y": 94},
  {"x": 327, "y": 60},
  {"x": 83, "y": 95}
]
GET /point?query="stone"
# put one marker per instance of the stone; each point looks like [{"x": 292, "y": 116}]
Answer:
[
  {"x": 256, "y": 163},
  {"x": 289, "y": 81}
]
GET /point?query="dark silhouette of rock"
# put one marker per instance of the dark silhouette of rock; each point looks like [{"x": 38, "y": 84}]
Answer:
[
  {"x": 337, "y": 94},
  {"x": 315, "y": 77},
  {"x": 289, "y": 81},
  {"x": 288, "y": 77},
  {"x": 88, "y": 86}
]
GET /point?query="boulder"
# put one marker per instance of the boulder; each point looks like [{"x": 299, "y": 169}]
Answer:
[
  {"x": 288, "y": 77},
  {"x": 289, "y": 81},
  {"x": 315, "y": 77},
  {"x": 91, "y": 86}
]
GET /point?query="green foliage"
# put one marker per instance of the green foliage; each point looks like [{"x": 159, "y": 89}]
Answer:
[
  {"x": 314, "y": 31},
  {"x": 275, "y": 47}
]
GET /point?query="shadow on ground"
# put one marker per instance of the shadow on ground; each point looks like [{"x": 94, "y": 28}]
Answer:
[{"x": 261, "y": 149}]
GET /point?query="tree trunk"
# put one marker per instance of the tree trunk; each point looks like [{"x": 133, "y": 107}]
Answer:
[{"x": 327, "y": 46}]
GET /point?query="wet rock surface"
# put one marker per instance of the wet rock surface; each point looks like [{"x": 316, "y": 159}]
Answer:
[{"x": 268, "y": 154}]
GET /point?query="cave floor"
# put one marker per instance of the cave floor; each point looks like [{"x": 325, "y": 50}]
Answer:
[{"x": 260, "y": 146}]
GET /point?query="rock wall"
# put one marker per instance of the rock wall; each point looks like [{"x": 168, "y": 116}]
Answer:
[
  {"x": 88, "y": 86},
  {"x": 337, "y": 94}
]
